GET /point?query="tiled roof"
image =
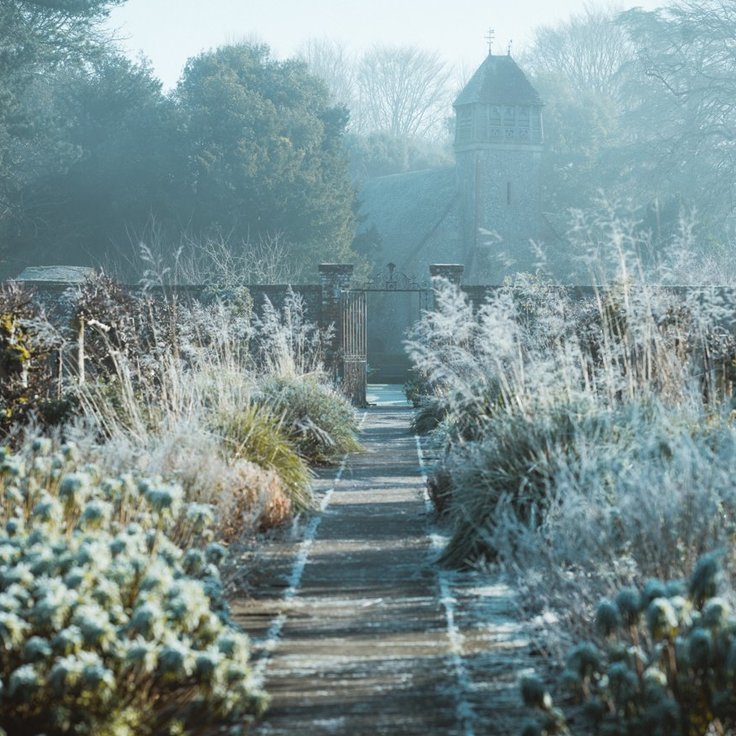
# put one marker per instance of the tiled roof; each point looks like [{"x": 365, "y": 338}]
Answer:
[{"x": 498, "y": 81}]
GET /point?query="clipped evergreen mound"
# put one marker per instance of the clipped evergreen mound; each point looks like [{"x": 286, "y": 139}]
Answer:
[{"x": 107, "y": 626}]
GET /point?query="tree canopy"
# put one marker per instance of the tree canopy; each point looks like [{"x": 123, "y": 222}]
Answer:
[
  {"x": 264, "y": 151},
  {"x": 245, "y": 149},
  {"x": 640, "y": 105}
]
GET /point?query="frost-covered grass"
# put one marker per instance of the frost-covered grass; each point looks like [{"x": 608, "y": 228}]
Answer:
[
  {"x": 235, "y": 406},
  {"x": 583, "y": 444},
  {"x": 195, "y": 426}
]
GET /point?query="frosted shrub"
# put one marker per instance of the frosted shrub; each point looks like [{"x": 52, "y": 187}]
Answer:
[
  {"x": 106, "y": 625},
  {"x": 586, "y": 442},
  {"x": 664, "y": 662},
  {"x": 317, "y": 419}
]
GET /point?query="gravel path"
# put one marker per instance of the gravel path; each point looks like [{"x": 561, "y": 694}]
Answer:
[{"x": 360, "y": 632}]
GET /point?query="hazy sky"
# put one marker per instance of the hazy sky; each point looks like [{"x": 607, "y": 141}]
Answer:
[{"x": 170, "y": 31}]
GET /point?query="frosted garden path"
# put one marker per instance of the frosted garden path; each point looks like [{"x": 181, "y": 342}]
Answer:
[{"x": 359, "y": 632}]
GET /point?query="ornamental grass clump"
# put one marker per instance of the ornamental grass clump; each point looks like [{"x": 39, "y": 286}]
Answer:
[
  {"x": 254, "y": 434},
  {"x": 513, "y": 469},
  {"x": 664, "y": 663},
  {"x": 106, "y": 625},
  {"x": 320, "y": 422}
]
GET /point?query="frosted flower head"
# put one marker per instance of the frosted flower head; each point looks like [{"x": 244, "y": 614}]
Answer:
[
  {"x": 15, "y": 526},
  {"x": 95, "y": 677},
  {"x": 47, "y": 511},
  {"x": 53, "y": 603},
  {"x": 20, "y": 574},
  {"x": 69, "y": 452},
  {"x": 36, "y": 649},
  {"x": 215, "y": 553},
  {"x": 9, "y": 603},
  {"x": 655, "y": 684},
  {"x": 112, "y": 488},
  {"x": 13, "y": 630},
  {"x": 607, "y": 617},
  {"x": 201, "y": 516},
  {"x": 73, "y": 488},
  {"x": 141, "y": 655},
  {"x": 148, "y": 620},
  {"x": 24, "y": 682},
  {"x": 41, "y": 466},
  {"x": 107, "y": 594},
  {"x": 74, "y": 578},
  {"x": 175, "y": 660},
  {"x": 93, "y": 552},
  {"x": 170, "y": 554},
  {"x": 622, "y": 682},
  {"x": 68, "y": 641},
  {"x": 212, "y": 586},
  {"x": 158, "y": 578},
  {"x": 534, "y": 694},
  {"x": 119, "y": 545},
  {"x": 700, "y": 648},
  {"x": 43, "y": 561},
  {"x": 14, "y": 495},
  {"x": 716, "y": 613},
  {"x": 662, "y": 619},
  {"x": 9, "y": 554},
  {"x": 585, "y": 659},
  {"x": 164, "y": 498},
  {"x": 704, "y": 580},
  {"x": 96, "y": 515},
  {"x": 653, "y": 588},
  {"x": 41, "y": 446},
  {"x": 206, "y": 665},
  {"x": 13, "y": 467},
  {"x": 234, "y": 646},
  {"x": 188, "y": 605},
  {"x": 94, "y": 625},
  {"x": 629, "y": 603},
  {"x": 193, "y": 562}
]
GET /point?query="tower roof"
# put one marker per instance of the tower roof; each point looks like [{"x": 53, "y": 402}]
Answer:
[{"x": 498, "y": 81}]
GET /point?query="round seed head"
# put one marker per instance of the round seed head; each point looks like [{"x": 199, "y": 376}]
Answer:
[
  {"x": 700, "y": 647},
  {"x": 607, "y": 617},
  {"x": 630, "y": 605},
  {"x": 653, "y": 588},
  {"x": 534, "y": 694},
  {"x": 704, "y": 580},
  {"x": 662, "y": 619},
  {"x": 716, "y": 613}
]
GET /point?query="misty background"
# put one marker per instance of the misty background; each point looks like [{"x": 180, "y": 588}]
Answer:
[{"x": 245, "y": 130}]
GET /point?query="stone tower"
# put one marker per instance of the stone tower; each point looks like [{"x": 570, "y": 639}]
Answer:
[{"x": 498, "y": 148}]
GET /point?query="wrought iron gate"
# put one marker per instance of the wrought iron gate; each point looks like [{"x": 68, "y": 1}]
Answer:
[
  {"x": 353, "y": 327},
  {"x": 354, "y": 346}
]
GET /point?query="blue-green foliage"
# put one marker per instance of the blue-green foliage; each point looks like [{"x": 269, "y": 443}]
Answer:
[
  {"x": 106, "y": 625},
  {"x": 664, "y": 663}
]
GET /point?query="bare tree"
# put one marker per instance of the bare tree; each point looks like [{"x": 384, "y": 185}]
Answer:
[
  {"x": 589, "y": 50},
  {"x": 329, "y": 60},
  {"x": 683, "y": 98},
  {"x": 403, "y": 91}
]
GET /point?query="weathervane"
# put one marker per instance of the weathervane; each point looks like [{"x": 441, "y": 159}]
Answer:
[{"x": 490, "y": 37}]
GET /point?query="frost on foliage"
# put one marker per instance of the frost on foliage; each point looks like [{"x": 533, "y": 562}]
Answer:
[
  {"x": 106, "y": 625},
  {"x": 665, "y": 665}
]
